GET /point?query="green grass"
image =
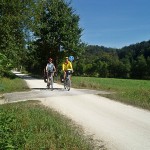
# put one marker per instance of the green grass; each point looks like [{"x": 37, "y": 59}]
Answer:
[
  {"x": 31, "y": 126},
  {"x": 134, "y": 92},
  {"x": 12, "y": 84}
]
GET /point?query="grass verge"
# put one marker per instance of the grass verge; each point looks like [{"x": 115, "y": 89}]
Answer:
[
  {"x": 12, "y": 85},
  {"x": 133, "y": 92},
  {"x": 29, "y": 125}
]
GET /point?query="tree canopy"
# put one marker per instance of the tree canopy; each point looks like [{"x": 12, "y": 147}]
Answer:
[
  {"x": 34, "y": 30},
  {"x": 128, "y": 62}
]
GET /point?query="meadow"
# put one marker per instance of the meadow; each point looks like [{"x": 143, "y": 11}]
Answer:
[
  {"x": 14, "y": 84},
  {"x": 133, "y": 92}
]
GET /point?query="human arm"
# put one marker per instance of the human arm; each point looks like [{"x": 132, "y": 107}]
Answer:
[
  {"x": 63, "y": 67},
  {"x": 46, "y": 68},
  {"x": 70, "y": 67},
  {"x": 54, "y": 68}
]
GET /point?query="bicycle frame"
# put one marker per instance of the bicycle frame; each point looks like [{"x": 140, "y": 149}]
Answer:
[
  {"x": 67, "y": 81},
  {"x": 50, "y": 80}
]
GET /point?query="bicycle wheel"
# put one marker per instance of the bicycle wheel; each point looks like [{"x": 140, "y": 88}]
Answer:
[
  {"x": 65, "y": 84},
  {"x": 68, "y": 84},
  {"x": 48, "y": 82},
  {"x": 51, "y": 83}
]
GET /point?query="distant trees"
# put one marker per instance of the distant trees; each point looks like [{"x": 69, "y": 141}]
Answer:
[
  {"x": 138, "y": 55},
  {"x": 129, "y": 62}
]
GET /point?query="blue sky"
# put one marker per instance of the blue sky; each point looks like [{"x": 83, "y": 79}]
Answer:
[{"x": 113, "y": 23}]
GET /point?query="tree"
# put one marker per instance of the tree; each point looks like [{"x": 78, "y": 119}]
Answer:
[
  {"x": 5, "y": 65},
  {"x": 139, "y": 68},
  {"x": 125, "y": 67},
  {"x": 14, "y": 21},
  {"x": 148, "y": 67},
  {"x": 102, "y": 69},
  {"x": 58, "y": 27}
]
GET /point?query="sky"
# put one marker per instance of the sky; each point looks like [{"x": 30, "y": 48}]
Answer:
[{"x": 113, "y": 23}]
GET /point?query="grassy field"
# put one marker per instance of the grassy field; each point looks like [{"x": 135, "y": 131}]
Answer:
[
  {"x": 133, "y": 92},
  {"x": 12, "y": 84},
  {"x": 31, "y": 126}
]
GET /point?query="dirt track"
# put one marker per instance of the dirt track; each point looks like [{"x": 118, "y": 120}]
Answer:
[{"x": 121, "y": 127}]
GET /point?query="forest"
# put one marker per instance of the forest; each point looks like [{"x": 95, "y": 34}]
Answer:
[
  {"x": 34, "y": 30},
  {"x": 128, "y": 62}
]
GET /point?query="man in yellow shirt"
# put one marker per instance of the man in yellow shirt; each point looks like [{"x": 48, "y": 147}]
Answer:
[{"x": 67, "y": 65}]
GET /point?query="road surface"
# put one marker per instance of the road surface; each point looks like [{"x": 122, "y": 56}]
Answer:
[{"x": 120, "y": 126}]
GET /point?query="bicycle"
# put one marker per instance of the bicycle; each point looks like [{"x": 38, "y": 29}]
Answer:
[
  {"x": 50, "y": 80},
  {"x": 67, "y": 81}
]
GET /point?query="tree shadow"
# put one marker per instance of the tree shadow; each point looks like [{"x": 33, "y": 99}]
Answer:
[
  {"x": 58, "y": 89},
  {"x": 24, "y": 76}
]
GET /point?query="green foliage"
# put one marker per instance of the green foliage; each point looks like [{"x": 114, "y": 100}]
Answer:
[
  {"x": 10, "y": 138},
  {"x": 32, "y": 31},
  {"x": 138, "y": 56},
  {"x": 15, "y": 20},
  {"x": 12, "y": 84},
  {"x": 140, "y": 67},
  {"x": 57, "y": 26},
  {"x": 128, "y": 62},
  {"x": 5, "y": 65},
  {"x": 28, "y": 125}
]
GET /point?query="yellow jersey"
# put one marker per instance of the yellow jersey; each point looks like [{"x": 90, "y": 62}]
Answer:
[{"x": 67, "y": 66}]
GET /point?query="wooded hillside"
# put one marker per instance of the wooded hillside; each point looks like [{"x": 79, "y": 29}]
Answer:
[{"x": 128, "y": 62}]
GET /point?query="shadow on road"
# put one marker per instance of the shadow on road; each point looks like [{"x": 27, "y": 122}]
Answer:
[
  {"x": 28, "y": 77},
  {"x": 58, "y": 89}
]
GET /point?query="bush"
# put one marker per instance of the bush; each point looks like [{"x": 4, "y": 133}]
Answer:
[
  {"x": 5, "y": 65},
  {"x": 10, "y": 139}
]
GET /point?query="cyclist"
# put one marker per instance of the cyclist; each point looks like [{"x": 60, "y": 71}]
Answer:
[
  {"x": 50, "y": 68},
  {"x": 67, "y": 65}
]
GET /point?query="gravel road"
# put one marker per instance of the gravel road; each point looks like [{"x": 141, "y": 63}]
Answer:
[{"x": 120, "y": 126}]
